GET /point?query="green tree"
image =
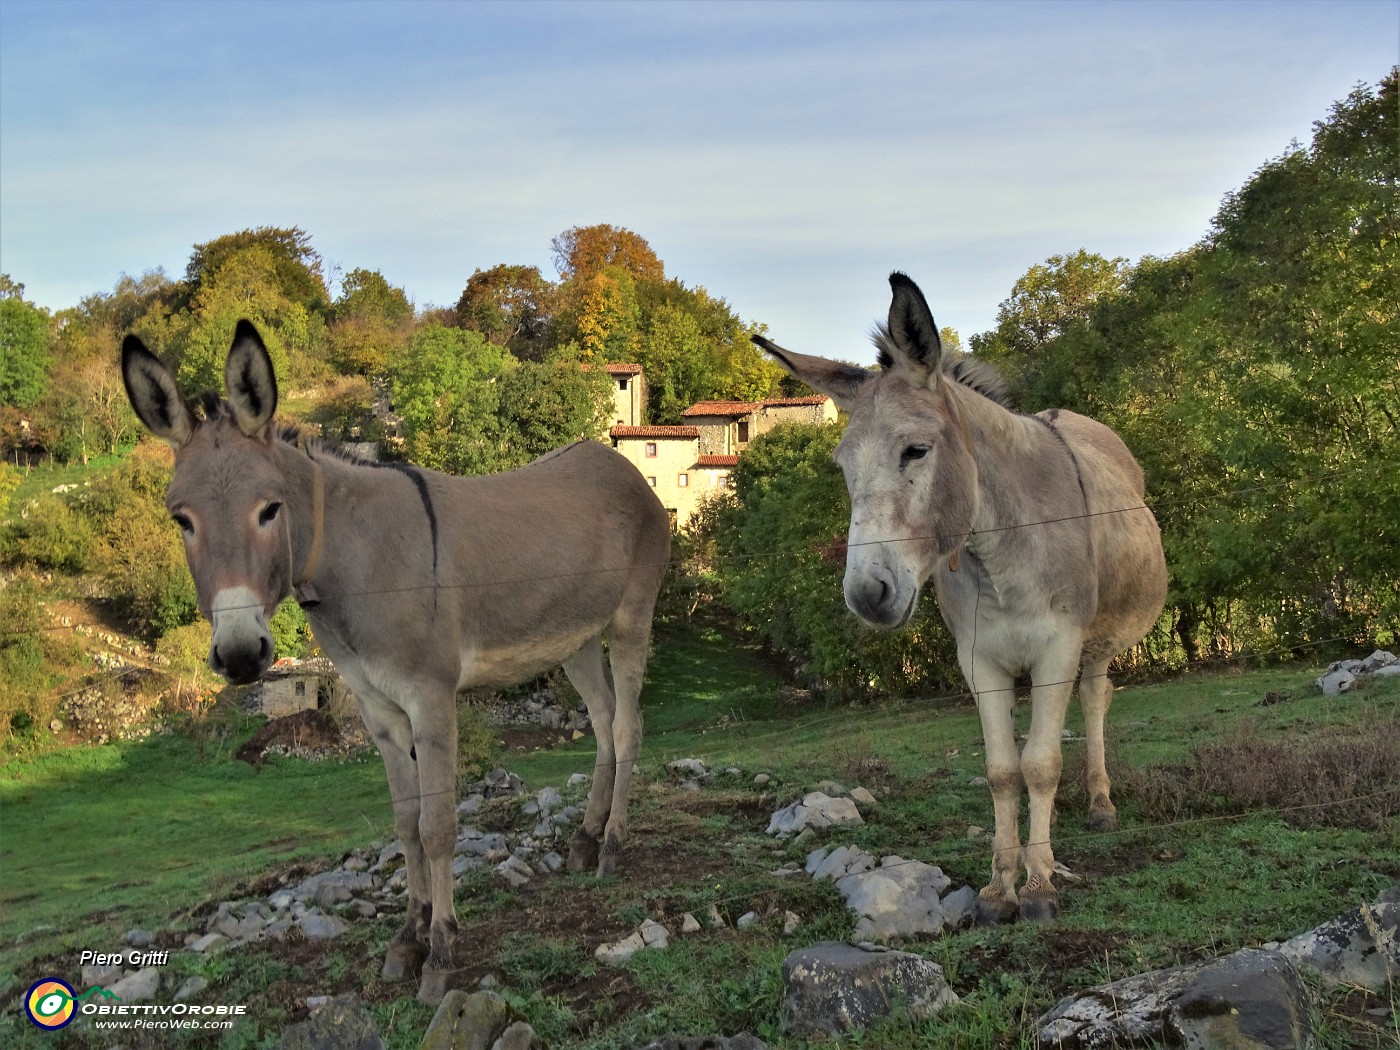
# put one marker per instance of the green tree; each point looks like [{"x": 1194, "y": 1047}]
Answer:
[
  {"x": 371, "y": 322},
  {"x": 544, "y": 406},
  {"x": 24, "y": 347},
  {"x": 294, "y": 267},
  {"x": 511, "y": 306},
  {"x": 445, "y": 388}
]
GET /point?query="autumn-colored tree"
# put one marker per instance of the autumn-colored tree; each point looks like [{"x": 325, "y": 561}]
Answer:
[
  {"x": 510, "y": 306},
  {"x": 583, "y": 251},
  {"x": 371, "y": 322}
]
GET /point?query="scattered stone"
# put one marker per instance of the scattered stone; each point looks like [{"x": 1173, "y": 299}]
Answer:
[
  {"x": 192, "y": 987},
  {"x": 832, "y": 988},
  {"x": 342, "y": 1024},
  {"x": 103, "y": 975},
  {"x": 688, "y": 768},
  {"x": 977, "y": 782},
  {"x": 1252, "y": 998},
  {"x": 548, "y": 799},
  {"x": 209, "y": 943},
  {"x": 139, "y": 986},
  {"x": 469, "y": 1021},
  {"x": 716, "y": 919},
  {"x": 1335, "y": 683},
  {"x": 1377, "y": 660},
  {"x": 1360, "y": 947},
  {"x": 790, "y": 923},
  {"x": 579, "y": 779},
  {"x": 689, "y": 924},
  {"x": 761, "y": 779},
  {"x": 317, "y": 926},
  {"x": 315, "y": 1002},
  {"x": 958, "y": 907},
  {"x": 746, "y": 920},
  {"x": 742, "y": 1041},
  {"x": 140, "y": 938},
  {"x": 863, "y": 796},
  {"x": 515, "y": 871},
  {"x": 518, "y": 1036},
  {"x": 897, "y": 899},
  {"x": 816, "y": 810},
  {"x": 651, "y": 935},
  {"x": 838, "y": 863},
  {"x": 975, "y": 832}
]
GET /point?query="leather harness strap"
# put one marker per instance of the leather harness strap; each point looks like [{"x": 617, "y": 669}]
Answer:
[{"x": 304, "y": 590}]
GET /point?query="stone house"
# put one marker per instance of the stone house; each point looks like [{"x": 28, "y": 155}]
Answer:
[
  {"x": 686, "y": 463},
  {"x": 291, "y": 686}
]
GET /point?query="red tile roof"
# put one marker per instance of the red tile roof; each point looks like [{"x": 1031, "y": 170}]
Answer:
[
  {"x": 654, "y": 432},
  {"x": 721, "y": 408},
  {"x": 615, "y": 369},
  {"x": 717, "y": 461},
  {"x": 786, "y": 402}
]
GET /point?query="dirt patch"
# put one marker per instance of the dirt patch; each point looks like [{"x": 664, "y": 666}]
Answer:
[{"x": 306, "y": 734}]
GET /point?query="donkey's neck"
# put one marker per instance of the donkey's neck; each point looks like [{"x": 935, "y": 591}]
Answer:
[
  {"x": 304, "y": 473},
  {"x": 1010, "y": 450}
]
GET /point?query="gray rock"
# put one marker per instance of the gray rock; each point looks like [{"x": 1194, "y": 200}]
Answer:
[
  {"x": 742, "y": 1041},
  {"x": 1360, "y": 947},
  {"x": 863, "y": 796},
  {"x": 107, "y": 973},
  {"x": 689, "y": 923},
  {"x": 548, "y": 799},
  {"x": 815, "y": 810},
  {"x": 209, "y": 943},
  {"x": 1388, "y": 669},
  {"x": 316, "y": 926},
  {"x": 340, "y": 885},
  {"x": 281, "y": 900},
  {"x": 192, "y": 987},
  {"x": 342, "y": 1024},
  {"x": 469, "y": 1021},
  {"x": 761, "y": 779},
  {"x": 518, "y": 1036},
  {"x": 475, "y": 844},
  {"x": 831, "y": 988},
  {"x": 743, "y": 922},
  {"x": 653, "y": 934},
  {"x": 958, "y": 907},
  {"x": 1378, "y": 659},
  {"x": 515, "y": 871},
  {"x": 897, "y": 899},
  {"x": 138, "y": 987},
  {"x": 579, "y": 779},
  {"x": 686, "y": 768},
  {"x": 1251, "y": 999},
  {"x": 1335, "y": 683},
  {"x": 140, "y": 938}
]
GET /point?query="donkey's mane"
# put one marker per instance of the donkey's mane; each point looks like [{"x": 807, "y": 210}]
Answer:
[
  {"x": 216, "y": 408},
  {"x": 960, "y": 367}
]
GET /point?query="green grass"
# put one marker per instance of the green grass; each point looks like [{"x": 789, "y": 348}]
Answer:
[
  {"x": 96, "y": 840},
  {"x": 42, "y": 478}
]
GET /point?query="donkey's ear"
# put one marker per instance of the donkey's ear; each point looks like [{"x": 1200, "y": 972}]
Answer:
[
  {"x": 154, "y": 394},
  {"x": 838, "y": 381},
  {"x": 913, "y": 345},
  {"x": 252, "y": 386}
]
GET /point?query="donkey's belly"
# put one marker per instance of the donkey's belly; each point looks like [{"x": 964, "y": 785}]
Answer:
[{"x": 498, "y": 667}]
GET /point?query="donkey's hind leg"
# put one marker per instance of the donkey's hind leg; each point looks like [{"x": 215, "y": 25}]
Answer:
[
  {"x": 589, "y": 675},
  {"x": 389, "y": 728},
  {"x": 628, "y": 640},
  {"x": 1095, "y": 694}
]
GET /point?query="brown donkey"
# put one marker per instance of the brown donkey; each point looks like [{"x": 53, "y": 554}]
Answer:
[
  {"x": 418, "y": 585},
  {"x": 1042, "y": 554}
]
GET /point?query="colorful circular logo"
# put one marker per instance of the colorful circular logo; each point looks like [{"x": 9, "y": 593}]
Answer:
[{"x": 49, "y": 1003}]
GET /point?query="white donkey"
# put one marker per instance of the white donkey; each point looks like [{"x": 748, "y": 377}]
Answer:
[
  {"x": 417, "y": 585},
  {"x": 1043, "y": 556}
]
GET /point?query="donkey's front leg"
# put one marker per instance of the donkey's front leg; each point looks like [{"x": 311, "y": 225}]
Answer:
[
  {"x": 389, "y": 729},
  {"x": 995, "y": 691},
  {"x": 1040, "y": 768},
  {"x": 435, "y": 747}
]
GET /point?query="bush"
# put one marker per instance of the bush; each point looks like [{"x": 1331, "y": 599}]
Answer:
[
  {"x": 49, "y": 534},
  {"x": 478, "y": 743},
  {"x": 780, "y": 561},
  {"x": 29, "y": 652},
  {"x": 291, "y": 634},
  {"x": 185, "y": 651}
]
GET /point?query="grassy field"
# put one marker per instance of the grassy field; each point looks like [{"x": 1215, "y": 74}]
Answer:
[{"x": 94, "y": 841}]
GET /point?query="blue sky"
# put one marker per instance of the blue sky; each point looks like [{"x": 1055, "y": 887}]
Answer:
[{"x": 786, "y": 156}]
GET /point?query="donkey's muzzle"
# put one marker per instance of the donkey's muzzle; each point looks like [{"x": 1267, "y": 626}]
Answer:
[
  {"x": 242, "y": 663},
  {"x": 878, "y": 599}
]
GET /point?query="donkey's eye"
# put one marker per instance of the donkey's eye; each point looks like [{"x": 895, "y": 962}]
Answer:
[
  {"x": 186, "y": 526},
  {"x": 269, "y": 514},
  {"x": 911, "y": 453}
]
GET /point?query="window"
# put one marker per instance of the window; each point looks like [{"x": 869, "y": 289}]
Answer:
[
  {"x": 743, "y": 430},
  {"x": 622, "y": 384},
  {"x": 722, "y": 482},
  {"x": 651, "y": 450},
  {"x": 682, "y": 480},
  {"x": 651, "y": 482}
]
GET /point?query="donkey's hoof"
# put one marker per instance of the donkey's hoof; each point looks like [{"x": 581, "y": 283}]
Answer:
[
  {"x": 433, "y": 987},
  {"x": 583, "y": 852},
  {"x": 992, "y": 912},
  {"x": 401, "y": 961},
  {"x": 1103, "y": 820},
  {"x": 1039, "y": 909}
]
